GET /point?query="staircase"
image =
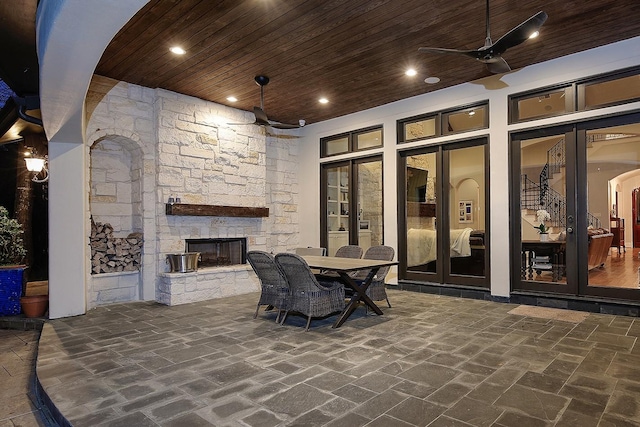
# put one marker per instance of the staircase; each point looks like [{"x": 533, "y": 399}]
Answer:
[{"x": 540, "y": 195}]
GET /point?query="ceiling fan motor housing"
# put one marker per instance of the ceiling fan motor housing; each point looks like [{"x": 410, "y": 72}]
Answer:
[{"x": 261, "y": 80}]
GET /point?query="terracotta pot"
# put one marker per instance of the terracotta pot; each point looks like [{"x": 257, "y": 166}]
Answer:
[{"x": 34, "y": 305}]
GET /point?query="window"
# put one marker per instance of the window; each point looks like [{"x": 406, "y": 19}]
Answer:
[
  {"x": 419, "y": 129},
  {"x": 595, "y": 92},
  {"x": 446, "y": 122},
  {"x": 351, "y": 196},
  {"x": 466, "y": 120},
  {"x": 359, "y": 140},
  {"x": 336, "y": 146},
  {"x": 610, "y": 91},
  {"x": 541, "y": 104}
]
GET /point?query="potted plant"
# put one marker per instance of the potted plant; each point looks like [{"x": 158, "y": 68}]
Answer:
[
  {"x": 12, "y": 253},
  {"x": 542, "y": 216}
]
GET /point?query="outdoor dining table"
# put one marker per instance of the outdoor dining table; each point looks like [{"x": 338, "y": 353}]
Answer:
[{"x": 344, "y": 266}]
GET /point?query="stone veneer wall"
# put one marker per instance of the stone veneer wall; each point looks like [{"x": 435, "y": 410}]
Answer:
[{"x": 200, "y": 161}]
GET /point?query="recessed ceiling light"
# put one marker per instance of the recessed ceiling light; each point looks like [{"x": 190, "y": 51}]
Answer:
[
  {"x": 411, "y": 72},
  {"x": 472, "y": 113},
  {"x": 534, "y": 34},
  {"x": 323, "y": 101},
  {"x": 177, "y": 50},
  {"x": 432, "y": 80},
  {"x": 232, "y": 99}
]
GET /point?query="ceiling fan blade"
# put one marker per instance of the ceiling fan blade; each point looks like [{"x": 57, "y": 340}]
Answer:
[
  {"x": 519, "y": 34},
  {"x": 282, "y": 135},
  {"x": 471, "y": 53},
  {"x": 498, "y": 65},
  {"x": 283, "y": 126},
  {"x": 262, "y": 120},
  {"x": 261, "y": 117}
]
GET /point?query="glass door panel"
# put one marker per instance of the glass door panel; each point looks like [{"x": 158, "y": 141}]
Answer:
[
  {"x": 467, "y": 211},
  {"x": 369, "y": 197},
  {"x": 352, "y": 198},
  {"x": 613, "y": 169},
  {"x": 543, "y": 212},
  {"x": 337, "y": 212},
  {"x": 578, "y": 185},
  {"x": 421, "y": 238}
]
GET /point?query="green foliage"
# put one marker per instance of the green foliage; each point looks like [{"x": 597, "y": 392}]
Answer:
[
  {"x": 542, "y": 228},
  {"x": 12, "y": 249}
]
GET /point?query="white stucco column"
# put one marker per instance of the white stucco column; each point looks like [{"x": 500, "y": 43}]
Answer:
[
  {"x": 71, "y": 36},
  {"x": 499, "y": 197}
]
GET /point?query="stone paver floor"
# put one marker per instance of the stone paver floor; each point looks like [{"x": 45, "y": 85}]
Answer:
[
  {"x": 428, "y": 361},
  {"x": 18, "y": 406}
]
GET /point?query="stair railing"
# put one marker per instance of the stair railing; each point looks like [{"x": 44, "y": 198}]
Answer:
[{"x": 534, "y": 197}]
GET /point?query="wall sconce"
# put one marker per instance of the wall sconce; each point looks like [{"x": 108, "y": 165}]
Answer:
[{"x": 37, "y": 165}]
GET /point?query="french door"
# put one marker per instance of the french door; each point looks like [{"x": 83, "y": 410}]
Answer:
[
  {"x": 571, "y": 196},
  {"x": 351, "y": 199},
  {"x": 443, "y": 234}
]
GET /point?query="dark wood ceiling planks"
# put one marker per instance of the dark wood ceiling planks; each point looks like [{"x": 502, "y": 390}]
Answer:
[{"x": 353, "y": 52}]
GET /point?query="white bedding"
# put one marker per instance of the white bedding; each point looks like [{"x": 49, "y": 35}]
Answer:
[{"x": 421, "y": 245}]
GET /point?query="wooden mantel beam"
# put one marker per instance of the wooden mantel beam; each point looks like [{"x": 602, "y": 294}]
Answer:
[{"x": 184, "y": 209}]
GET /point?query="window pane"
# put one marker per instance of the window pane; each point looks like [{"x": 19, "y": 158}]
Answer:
[
  {"x": 466, "y": 120},
  {"x": 370, "y": 204},
  {"x": 613, "y": 159},
  {"x": 421, "y": 213},
  {"x": 337, "y": 208},
  {"x": 613, "y": 91},
  {"x": 548, "y": 104},
  {"x": 369, "y": 140},
  {"x": 420, "y": 129},
  {"x": 466, "y": 212},
  {"x": 543, "y": 207},
  {"x": 336, "y": 146}
]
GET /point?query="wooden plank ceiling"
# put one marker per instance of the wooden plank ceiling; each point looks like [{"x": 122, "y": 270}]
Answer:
[{"x": 352, "y": 52}]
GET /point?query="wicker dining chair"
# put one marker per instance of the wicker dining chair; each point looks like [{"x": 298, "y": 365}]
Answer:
[
  {"x": 376, "y": 290},
  {"x": 275, "y": 288},
  {"x": 311, "y": 251},
  {"x": 349, "y": 251},
  {"x": 346, "y": 251},
  {"x": 308, "y": 296}
]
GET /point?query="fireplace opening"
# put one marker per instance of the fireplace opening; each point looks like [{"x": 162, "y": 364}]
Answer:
[{"x": 219, "y": 252}]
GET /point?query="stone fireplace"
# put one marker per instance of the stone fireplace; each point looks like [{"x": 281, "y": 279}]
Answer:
[
  {"x": 219, "y": 252},
  {"x": 164, "y": 146}
]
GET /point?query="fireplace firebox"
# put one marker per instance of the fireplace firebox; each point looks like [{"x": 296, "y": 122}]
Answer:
[{"x": 219, "y": 252}]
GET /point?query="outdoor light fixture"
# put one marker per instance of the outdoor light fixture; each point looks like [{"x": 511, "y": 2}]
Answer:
[
  {"x": 34, "y": 164},
  {"x": 37, "y": 165}
]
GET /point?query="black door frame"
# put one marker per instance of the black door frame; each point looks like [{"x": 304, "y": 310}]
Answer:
[
  {"x": 517, "y": 284},
  {"x": 353, "y": 192},
  {"x": 577, "y": 201},
  {"x": 443, "y": 273}
]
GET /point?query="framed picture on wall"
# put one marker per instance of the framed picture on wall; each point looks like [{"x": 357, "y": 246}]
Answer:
[{"x": 465, "y": 211}]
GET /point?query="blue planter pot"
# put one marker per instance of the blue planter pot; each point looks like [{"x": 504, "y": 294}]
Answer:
[{"x": 10, "y": 290}]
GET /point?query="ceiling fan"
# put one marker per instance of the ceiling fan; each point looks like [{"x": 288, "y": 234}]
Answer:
[
  {"x": 261, "y": 116},
  {"x": 491, "y": 53}
]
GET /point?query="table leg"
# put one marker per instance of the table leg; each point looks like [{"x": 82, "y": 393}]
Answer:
[{"x": 359, "y": 295}]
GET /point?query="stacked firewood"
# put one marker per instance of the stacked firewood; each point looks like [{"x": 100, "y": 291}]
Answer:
[{"x": 112, "y": 254}]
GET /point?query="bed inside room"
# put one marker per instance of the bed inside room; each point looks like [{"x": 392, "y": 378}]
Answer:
[
  {"x": 466, "y": 250},
  {"x": 466, "y": 237}
]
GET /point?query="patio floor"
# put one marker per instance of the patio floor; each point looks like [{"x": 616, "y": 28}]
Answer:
[{"x": 430, "y": 360}]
